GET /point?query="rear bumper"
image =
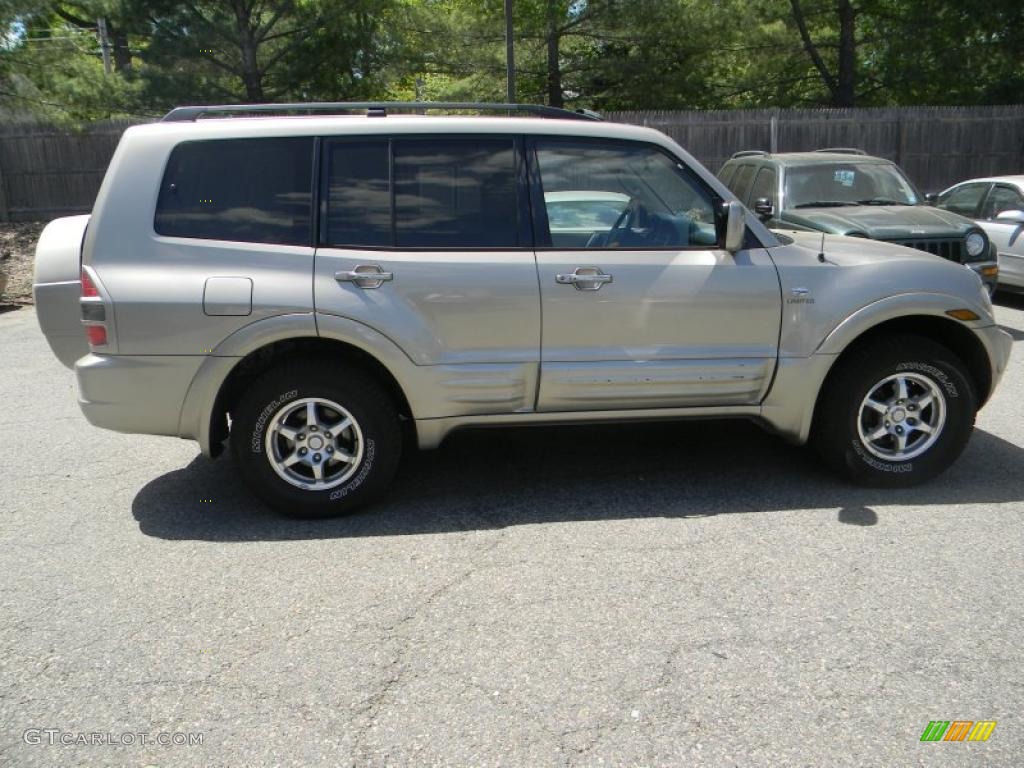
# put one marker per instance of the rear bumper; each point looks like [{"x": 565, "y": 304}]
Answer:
[{"x": 140, "y": 394}]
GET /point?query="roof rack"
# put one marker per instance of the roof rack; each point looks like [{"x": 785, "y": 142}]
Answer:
[
  {"x": 750, "y": 153},
  {"x": 843, "y": 150},
  {"x": 373, "y": 109}
]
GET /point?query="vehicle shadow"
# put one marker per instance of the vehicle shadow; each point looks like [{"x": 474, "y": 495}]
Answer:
[{"x": 481, "y": 480}]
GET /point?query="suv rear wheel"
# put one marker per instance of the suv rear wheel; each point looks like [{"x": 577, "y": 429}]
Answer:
[
  {"x": 316, "y": 440},
  {"x": 895, "y": 413}
]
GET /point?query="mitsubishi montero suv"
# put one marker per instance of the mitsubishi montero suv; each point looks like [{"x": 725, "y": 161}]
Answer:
[{"x": 319, "y": 290}]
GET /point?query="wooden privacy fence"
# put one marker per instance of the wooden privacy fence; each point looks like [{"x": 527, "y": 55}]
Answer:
[{"x": 46, "y": 171}]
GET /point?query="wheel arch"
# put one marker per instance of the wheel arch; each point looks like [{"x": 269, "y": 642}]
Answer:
[
  {"x": 280, "y": 353},
  {"x": 238, "y": 361},
  {"x": 791, "y": 405},
  {"x": 955, "y": 335},
  {"x": 951, "y": 334}
]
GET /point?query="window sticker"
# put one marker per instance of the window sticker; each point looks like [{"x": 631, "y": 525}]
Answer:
[{"x": 845, "y": 178}]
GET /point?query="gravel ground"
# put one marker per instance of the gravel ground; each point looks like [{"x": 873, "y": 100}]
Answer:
[
  {"x": 660, "y": 595},
  {"x": 17, "y": 254}
]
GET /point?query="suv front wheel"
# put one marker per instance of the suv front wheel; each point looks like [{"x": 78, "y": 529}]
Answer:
[
  {"x": 316, "y": 440},
  {"x": 896, "y": 412}
]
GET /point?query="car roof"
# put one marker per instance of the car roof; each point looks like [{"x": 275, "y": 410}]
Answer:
[
  {"x": 355, "y": 125},
  {"x": 811, "y": 158},
  {"x": 1017, "y": 179}
]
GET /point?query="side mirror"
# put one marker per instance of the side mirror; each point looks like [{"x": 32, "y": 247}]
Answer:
[
  {"x": 735, "y": 226},
  {"x": 930, "y": 198},
  {"x": 1010, "y": 217},
  {"x": 763, "y": 207}
]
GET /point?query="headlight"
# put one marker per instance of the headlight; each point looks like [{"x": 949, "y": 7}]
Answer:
[{"x": 976, "y": 244}]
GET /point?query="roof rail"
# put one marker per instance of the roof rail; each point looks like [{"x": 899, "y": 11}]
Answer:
[
  {"x": 750, "y": 153},
  {"x": 843, "y": 150},
  {"x": 373, "y": 109}
]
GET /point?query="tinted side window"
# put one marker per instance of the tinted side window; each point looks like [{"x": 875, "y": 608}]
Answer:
[
  {"x": 455, "y": 193},
  {"x": 964, "y": 199},
  {"x": 358, "y": 194},
  {"x": 764, "y": 186},
  {"x": 725, "y": 175},
  {"x": 618, "y": 195},
  {"x": 741, "y": 182},
  {"x": 248, "y": 190},
  {"x": 1001, "y": 199}
]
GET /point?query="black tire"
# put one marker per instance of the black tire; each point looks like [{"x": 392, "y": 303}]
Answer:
[
  {"x": 835, "y": 433},
  {"x": 368, "y": 404}
]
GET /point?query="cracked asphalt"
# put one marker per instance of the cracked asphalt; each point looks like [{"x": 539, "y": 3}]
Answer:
[{"x": 658, "y": 595}]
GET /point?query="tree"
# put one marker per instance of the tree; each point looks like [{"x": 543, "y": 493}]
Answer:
[{"x": 842, "y": 79}]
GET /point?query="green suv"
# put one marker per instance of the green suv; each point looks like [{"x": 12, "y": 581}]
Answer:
[{"x": 847, "y": 192}]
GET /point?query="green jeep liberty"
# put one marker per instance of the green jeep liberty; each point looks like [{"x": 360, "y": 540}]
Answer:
[{"x": 847, "y": 192}]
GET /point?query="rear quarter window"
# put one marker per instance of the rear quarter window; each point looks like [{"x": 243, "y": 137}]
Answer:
[{"x": 246, "y": 190}]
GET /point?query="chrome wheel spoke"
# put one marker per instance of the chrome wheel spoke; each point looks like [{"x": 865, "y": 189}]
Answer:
[
  {"x": 923, "y": 401},
  {"x": 288, "y": 433},
  {"x": 339, "y": 427},
  {"x": 311, "y": 414},
  {"x": 318, "y": 471},
  {"x": 922, "y": 427},
  {"x": 291, "y": 459},
  {"x": 901, "y": 388},
  {"x": 341, "y": 455},
  {"x": 882, "y": 431},
  {"x": 876, "y": 405},
  {"x": 901, "y": 442}
]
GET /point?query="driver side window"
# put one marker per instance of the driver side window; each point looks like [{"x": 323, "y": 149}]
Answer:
[{"x": 616, "y": 195}]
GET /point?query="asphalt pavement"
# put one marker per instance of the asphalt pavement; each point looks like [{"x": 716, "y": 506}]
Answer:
[{"x": 656, "y": 595}]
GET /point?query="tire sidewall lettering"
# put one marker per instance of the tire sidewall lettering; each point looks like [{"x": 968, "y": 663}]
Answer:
[
  {"x": 947, "y": 384},
  {"x": 360, "y": 476},
  {"x": 256, "y": 442},
  {"x": 881, "y": 466}
]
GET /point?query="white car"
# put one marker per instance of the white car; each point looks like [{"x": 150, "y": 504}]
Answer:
[
  {"x": 996, "y": 203},
  {"x": 577, "y": 217}
]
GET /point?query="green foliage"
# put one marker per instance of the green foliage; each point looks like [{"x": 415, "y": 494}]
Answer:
[{"x": 603, "y": 54}]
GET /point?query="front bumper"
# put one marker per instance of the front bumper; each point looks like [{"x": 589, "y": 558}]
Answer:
[
  {"x": 988, "y": 271},
  {"x": 130, "y": 393},
  {"x": 998, "y": 344}
]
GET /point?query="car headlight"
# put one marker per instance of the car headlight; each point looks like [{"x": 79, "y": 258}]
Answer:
[{"x": 976, "y": 243}]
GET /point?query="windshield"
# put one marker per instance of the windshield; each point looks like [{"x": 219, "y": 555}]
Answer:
[{"x": 847, "y": 183}]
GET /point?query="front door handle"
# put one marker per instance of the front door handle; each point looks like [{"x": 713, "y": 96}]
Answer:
[
  {"x": 365, "y": 276},
  {"x": 585, "y": 279}
]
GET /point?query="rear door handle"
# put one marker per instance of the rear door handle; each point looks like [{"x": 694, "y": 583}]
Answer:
[
  {"x": 585, "y": 279},
  {"x": 365, "y": 276}
]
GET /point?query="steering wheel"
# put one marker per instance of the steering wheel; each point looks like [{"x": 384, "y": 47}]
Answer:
[{"x": 624, "y": 222}]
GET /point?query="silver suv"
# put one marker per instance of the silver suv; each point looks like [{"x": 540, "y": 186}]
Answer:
[{"x": 319, "y": 290}]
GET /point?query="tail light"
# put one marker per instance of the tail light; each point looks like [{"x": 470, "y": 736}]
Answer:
[
  {"x": 94, "y": 312},
  {"x": 97, "y": 335},
  {"x": 88, "y": 287}
]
